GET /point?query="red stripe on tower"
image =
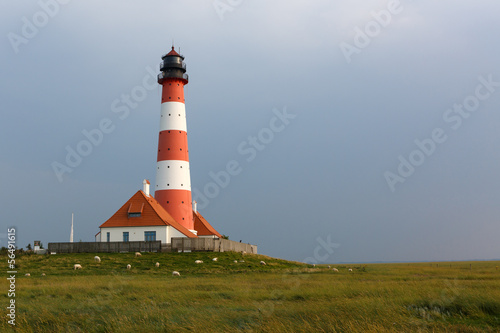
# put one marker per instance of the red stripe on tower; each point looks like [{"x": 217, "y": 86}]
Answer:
[{"x": 173, "y": 179}]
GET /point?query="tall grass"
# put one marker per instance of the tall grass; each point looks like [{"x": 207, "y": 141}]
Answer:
[{"x": 224, "y": 296}]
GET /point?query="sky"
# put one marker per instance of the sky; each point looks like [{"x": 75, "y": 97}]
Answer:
[{"x": 363, "y": 130}]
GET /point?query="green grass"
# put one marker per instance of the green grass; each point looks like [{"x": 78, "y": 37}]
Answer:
[{"x": 224, "y": 296}]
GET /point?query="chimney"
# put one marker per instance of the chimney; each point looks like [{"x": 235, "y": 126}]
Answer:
[
  {"x": 145, "y": 187},
  {"x": 195, "y": 206}
]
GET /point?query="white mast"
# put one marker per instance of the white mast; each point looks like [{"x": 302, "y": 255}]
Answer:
[{"x": 71, "y": 234}]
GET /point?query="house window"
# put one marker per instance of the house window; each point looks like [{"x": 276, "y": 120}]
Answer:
[
  {"x": 108, "y": 236},
  {"x": 150, "y": 236},
  {"x": 125, "y": 236},
  {"x": 134, "y": 214}
]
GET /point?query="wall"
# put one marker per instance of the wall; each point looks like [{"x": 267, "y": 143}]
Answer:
[
  {"x": 210, "y": 244},
  {"x": 136, "y": 234}
]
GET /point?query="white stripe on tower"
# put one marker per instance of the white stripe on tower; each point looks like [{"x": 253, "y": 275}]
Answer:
[{"x": 173, "y": 179}]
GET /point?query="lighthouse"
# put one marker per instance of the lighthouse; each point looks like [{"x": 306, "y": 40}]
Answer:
[
  {"x": 170, "y": 214},
  {"x": 173, "y": 179}
]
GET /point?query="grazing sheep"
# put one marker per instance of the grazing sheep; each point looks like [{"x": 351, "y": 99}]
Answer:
[
  {"x": 214, "y": 259},
  {"x": 27, "y": 274},
  {"x": 236, "y": 261},
  {"x": 97, "y": 259},
  {"x": 128, "y": 266},
  {"x": 138, "y": 254},
  {"x": 243, "y": 252},
  {"x": 350, "y": 269},
  {"x": 198, "y": 262},
  {"x": 77, "y": 266},
  {"x": 175, "y": 273},
  {"x": 314, "y": 265},
  {"x": 157, "y": 264},
  {"x": 43, "y": 274},
  {"x": 242, "y": 260},
  {"x": 329, "y": 267},
  {"x": 263, "y": 263},
  {"x": 335, "y": 270}
]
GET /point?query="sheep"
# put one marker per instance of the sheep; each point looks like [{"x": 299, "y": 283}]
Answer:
[
  {"x": 334, "y": 269},
  {"x": 97, "y": 259},
  {"x": 175, "y": 273},
  {"x": 214, "y": 259},
  {"x": 242, "y": 260},
  {"x": 314, "y": 265},
  {"x": 27, "y": 274},
  {"x": 198, "y": 262},
  {"x": 77, "y": 266},
  {"x": 350, "y": 269},
  {"x": 263, "y": 263},
  {"x": 43, "y": 274},
  {"x": 329, "y": 267},
  {"x": 243, "y": 252},
  {"x": 129, "y": 266},
  {"x": 138, "y": 254},
  {"x": 157, "y": 264},
  {"x": 236, "y": 261}
]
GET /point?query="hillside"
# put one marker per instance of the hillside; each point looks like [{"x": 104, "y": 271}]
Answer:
[{"x": 224, "y": 296}]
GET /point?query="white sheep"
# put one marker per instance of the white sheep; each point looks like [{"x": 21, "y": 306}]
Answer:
[
  {"x": 242, "y": 260},
  {"x": 263, "y": 263},
  {"x": 350, "y": 269},
  {"x": 198, "y": 262},
  {"x": 236, "y": 261},
  {"x": 243, "y": 252},
  {"x": 97, "y": 259},
  {"x": 138, "y": 254},
  {"x": 329, "y": 267},
  {"x": 314, "y": 265},
  {"x": 175, "y": 273},
  {"x": 214, "y": 259},
  {"x": 27, "y": 274},
  {"x": 335, "y": 270},
  {"x": 157, "y": 264},
  {"x": 129, "y": 266},
  {"x": 77, "y": 266},
  {"x": 43, "y": 274}
]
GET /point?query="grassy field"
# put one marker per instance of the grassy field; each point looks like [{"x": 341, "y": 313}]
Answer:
[{"x": 224, "y": 296}]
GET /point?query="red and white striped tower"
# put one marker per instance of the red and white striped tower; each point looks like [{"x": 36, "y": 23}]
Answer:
[{"x": 173, "y": 180}]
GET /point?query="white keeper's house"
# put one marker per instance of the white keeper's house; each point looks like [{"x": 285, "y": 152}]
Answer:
[{"x": 142, "y": 218}]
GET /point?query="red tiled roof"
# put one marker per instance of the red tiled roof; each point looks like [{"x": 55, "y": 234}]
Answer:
[
  {"x": 152, "y": 214},
  {"x": 203, "y": 227}
]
